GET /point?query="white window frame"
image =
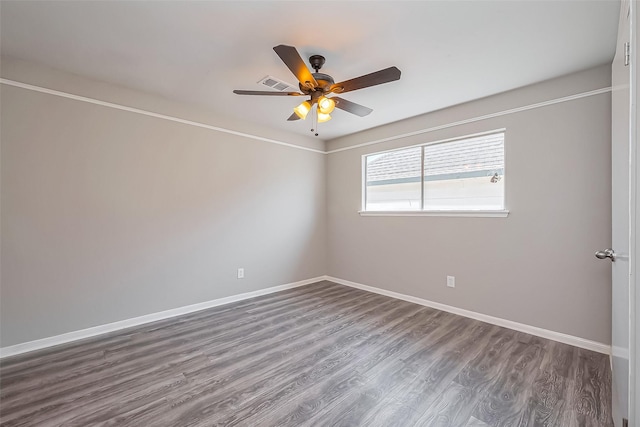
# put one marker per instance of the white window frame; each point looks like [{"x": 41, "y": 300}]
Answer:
[{"x": 498, "y": 213}]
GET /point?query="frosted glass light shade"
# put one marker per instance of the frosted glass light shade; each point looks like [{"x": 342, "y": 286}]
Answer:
[
  {"x": 302, "y": 110},
  {"x": 322, "y": 117},
  {"x": 326, "y": 105}
]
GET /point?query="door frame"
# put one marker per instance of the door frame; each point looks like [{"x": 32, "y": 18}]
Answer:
[{"x": 634, "y": 262}]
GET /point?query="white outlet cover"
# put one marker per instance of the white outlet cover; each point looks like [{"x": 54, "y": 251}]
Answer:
[
  {"x": 451, "y": 281},
  {"x": 241, "y": 273}
]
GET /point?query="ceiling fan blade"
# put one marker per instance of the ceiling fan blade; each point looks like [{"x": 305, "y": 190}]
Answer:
[
  {"x": 266, "y": 92},
  {"x": 379, "y": 77},
  {"x": 293, "y": 117},
  {"x": 293, "y": 60},
  {"x": 351, "y": 107}
]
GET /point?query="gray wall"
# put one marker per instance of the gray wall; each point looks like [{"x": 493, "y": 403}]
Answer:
[
  {"x": 536, "y": 266},
  {"x": 109, "y": 215}
]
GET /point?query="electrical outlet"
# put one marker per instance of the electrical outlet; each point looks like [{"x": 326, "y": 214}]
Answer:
[
  {"x": 451, "y": 281},
  {"x": 241, "y": 273}
]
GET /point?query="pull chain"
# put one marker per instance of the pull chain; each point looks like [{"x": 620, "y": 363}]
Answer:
[{"x": 315, "y": 120}]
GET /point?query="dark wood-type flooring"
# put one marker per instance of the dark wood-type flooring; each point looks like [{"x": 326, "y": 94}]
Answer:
[{"x": 318, "y": 355}]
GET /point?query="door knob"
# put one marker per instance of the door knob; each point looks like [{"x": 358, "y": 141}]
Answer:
[{"x": 607, "y": 253}]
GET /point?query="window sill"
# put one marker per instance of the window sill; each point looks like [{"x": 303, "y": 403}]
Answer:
[{"x": 460, "y": 213}]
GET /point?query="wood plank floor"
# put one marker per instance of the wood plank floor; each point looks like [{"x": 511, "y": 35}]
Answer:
[{"x": 319, "y": 355}]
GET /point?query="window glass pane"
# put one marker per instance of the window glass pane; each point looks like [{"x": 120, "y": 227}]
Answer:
[
  {"x": 465, "y": 174},
  {"x": 393, "y": 180}
]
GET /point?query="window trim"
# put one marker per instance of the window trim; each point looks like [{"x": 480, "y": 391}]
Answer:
[
  {"x": 483, "y": 213},
  {"x": 457, "y": 213}
]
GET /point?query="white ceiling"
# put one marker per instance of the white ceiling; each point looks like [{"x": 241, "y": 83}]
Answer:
[{"x": 449, "y": 52}]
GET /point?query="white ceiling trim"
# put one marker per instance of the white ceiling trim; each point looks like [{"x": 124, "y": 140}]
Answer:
[
  {"x": 286, "y": 144},
  {"x": 477, "y": 119},
  {"x": 150, "y": 114}
]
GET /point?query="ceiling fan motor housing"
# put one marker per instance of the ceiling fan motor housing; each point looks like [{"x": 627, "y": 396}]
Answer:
[{"x": 325, "y": 82}]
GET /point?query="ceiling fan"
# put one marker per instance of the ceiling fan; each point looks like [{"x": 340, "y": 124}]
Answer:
[{"x": 319, "y": 85}]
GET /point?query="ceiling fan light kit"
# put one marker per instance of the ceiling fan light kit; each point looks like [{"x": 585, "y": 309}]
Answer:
[
  {"x": 323, "y": 117},
  {"x": 302, "y": 110},
  {"x": 318, "y": 85},
  {"x": 326, "y": 105}
]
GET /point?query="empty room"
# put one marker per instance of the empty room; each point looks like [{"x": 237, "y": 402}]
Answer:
[{"x": 319, "y": 213}]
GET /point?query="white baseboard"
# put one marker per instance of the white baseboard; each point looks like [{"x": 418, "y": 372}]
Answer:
[
  {"x": 141, "y": 320},
  {"x": 148, "y": 318},
  {"x": 533, "y": 330}
]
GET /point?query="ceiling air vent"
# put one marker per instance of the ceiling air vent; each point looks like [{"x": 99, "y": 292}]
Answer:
[{"x": 277, "y": 84}]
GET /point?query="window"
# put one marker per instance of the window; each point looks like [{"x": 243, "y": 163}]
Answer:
[{"x": 465, "y": 174}]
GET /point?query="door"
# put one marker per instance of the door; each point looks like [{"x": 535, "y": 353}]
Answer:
[{"x": 621, "y": 214}]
